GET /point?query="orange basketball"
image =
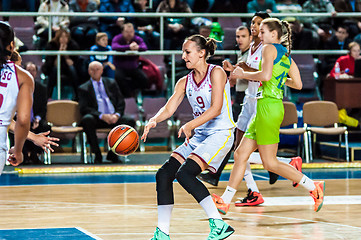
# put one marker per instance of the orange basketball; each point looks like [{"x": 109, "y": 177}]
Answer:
[{"x": 123, "y": 140}]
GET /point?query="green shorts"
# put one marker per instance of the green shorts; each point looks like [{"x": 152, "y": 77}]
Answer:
[{"x": 265, "y": 126}]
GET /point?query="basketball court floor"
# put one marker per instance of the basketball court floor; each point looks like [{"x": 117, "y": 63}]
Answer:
[{"x": 87, "y": 203}]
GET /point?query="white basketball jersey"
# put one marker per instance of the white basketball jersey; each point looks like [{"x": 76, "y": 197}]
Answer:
[
  {"x": 9, "y": 89},
  {"x": 253, "y": 62},
  {"x": 200, "y": 96}
]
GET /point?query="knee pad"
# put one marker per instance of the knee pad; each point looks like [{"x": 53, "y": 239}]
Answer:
[
  {"x": 187, "y": 178},
  {"x": 164, "y": 178}
]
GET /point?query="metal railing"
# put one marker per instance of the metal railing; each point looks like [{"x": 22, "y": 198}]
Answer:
[{"x": 172, "y": 53}]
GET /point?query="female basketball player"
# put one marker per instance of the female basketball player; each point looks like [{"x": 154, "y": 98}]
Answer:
[
  {"x": 16, "y": 94},
  {"x": 208, "y": 92},
  {"x": 249, "y": 109},
  {"x": 43, "y": 139},
  {"x": 263, "y": 132}
]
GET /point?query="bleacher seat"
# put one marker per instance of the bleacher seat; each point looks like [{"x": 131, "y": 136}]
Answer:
[
  {"x": 64, "y": 117},
  {"x": 163, "y": 129},
  {"x": 321, "y": 117},
  {"x": 309, "y": 76},
  {"x": 291, "y": 118}
]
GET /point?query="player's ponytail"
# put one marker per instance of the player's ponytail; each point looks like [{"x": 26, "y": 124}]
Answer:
[
  {"x": 211, "y": 46},
  {"x": 283, "y": 30},
  {"x": 208, "y": 44},
  {"x": 286, "y": 37},
  {"x": 6, "y": 37}
]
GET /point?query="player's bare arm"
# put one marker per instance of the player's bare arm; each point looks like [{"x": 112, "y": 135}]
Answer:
[
  {"x": 269, "y": 54},
  {"x": 24, "y": 105},
  {"x": 295, "y": 78}
]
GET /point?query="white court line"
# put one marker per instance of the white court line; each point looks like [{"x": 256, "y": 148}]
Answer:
[
  {"x": 329, "y": 200},
  {"x": 260, "y": 176},
  {"x": 88, "y": 233},
  {"x": 197, "y": 234}
]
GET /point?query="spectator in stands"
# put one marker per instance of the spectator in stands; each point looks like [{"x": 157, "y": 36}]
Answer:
[
  {"x": 113, "y": 25},
  {"x": 69, "y": 64},
  {"x": 57, "y": 22},
  {"x": 300, "y": 33},
  {"x": 319, "y": 24},
  {"x": 347, "y": 63},
  {"x": 175, "y": 29},
  {"x": 268, "y": 6},
  {"x": 83, "y": 29},
  {"x": 101, "y": 44},
  {"x": 101, "y": 106},
  {"x": 338, "y": 41},
  {"x": 146, "y": 27},
  {"x": 128, "y": 73},
  {"x": 288, "y": 6},
  {"x": 217, "y": 33},
  {"x": 205, "y": 30},
  {"x": 353, "y": 23}
]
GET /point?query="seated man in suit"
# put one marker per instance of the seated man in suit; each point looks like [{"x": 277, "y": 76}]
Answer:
[{"x": 102, "y": 106}]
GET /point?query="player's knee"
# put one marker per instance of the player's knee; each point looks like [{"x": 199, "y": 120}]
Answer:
[
  {"x": 164, "y": 179},
  {"x": 187, "y": 178},
  {"x": 240, "y": 157},
  {"x": 166, "y": 174},
  {"x": 270, "y": 166},
  {"x": 182, "y": 175},
  {"x": 188, "y": 171}
]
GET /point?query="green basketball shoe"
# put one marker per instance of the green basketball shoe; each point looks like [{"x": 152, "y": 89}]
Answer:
[
  {"x": 219, "y": 229},
  {"x": 159, "y": 235}
]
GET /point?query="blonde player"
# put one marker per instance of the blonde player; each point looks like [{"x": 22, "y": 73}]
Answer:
[
  {"x": 208, "y": 92},
  {"x": 263, "y": 132},
  {"x": 249, "y": 109}
]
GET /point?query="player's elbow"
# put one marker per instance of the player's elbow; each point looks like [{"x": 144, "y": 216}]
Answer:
[
  {"x": 217, "y": 111},
  {"x": 266, "y": 77},
  {"x": 23, "y": 121},
  {"x": 299, "y": 85}
]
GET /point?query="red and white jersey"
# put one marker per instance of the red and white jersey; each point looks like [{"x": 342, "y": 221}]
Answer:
[
  {"x": 253, "y": 61},
  {"x": 9, "y": 89},
  {"x": 200, "y": 96}
]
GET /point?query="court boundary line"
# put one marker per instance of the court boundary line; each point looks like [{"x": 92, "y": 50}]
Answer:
[
  {"x": 88, "y": 233},
  {"x": 153, "y": 168}
]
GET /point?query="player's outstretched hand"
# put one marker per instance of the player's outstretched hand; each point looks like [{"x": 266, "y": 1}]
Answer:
[
  {"x": 227, "y": 66},
  {"x": 15, "y": 158},
  {"x": 44, "y": 141},
  {"x": 151, "y": 124},
  {"x": 186, "y": 130}
]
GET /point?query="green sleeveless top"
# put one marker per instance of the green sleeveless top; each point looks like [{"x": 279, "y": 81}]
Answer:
[{"x": 281, "y": 66}]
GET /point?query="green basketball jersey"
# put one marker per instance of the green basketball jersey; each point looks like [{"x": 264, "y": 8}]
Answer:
[{"x": 281, "y": 65}]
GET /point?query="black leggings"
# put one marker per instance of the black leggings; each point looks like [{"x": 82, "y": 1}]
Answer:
[{"x": 186, "y": 175}]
